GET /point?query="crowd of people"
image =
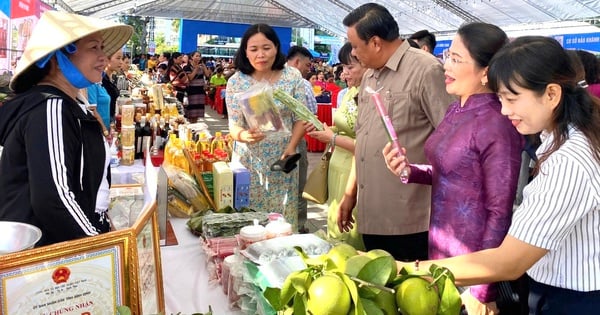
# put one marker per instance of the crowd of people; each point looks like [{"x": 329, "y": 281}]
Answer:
[{"x": 445, "y": 197}]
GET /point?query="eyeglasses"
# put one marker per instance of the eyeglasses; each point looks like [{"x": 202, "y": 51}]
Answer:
[{"x": 452, "y": 60}]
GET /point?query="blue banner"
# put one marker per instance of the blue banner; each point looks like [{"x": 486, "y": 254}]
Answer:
[{"x": 589, "y": 41}]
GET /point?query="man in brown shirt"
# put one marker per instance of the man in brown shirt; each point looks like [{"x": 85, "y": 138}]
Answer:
[{"x": 391, "y": 215}]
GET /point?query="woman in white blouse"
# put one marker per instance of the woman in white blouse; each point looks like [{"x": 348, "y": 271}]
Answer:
[{"x": 555, "y": 233}]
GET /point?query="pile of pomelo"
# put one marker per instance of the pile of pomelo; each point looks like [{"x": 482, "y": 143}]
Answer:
[{"x": 346, "y": 282}]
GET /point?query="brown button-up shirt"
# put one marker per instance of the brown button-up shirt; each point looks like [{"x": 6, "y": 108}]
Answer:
[{"x": 412, "y": 87}]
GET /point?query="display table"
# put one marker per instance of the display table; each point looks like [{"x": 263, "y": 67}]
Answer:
[
  {"x": 324, "y": 114},
  {"x": 128, "y": 174},
  {"x": 185, "y": 278}
]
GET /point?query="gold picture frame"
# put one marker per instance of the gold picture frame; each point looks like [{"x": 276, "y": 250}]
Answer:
[
  {"x": 147, "y": 272},
  {"x": 88, "y": 275}
]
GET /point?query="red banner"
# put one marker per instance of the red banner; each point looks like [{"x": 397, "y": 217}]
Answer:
[{"x": 23, "y": 8}]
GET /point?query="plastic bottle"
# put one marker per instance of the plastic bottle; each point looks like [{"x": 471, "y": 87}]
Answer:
[
  {"x": 179, "y": 158},
  {"x": 168, "y": 153},
  {"x": 203, "y": 143},
  {"x": 218, "y": 142}
]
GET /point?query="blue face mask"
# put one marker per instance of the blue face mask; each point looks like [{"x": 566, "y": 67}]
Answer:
[{"x": 69, "y": 70}]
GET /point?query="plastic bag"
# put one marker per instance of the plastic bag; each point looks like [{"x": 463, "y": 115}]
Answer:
[{"x": 259, "y": 109}]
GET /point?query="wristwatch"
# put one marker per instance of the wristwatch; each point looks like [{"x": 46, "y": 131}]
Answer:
[{"x": 105, "y": 132}]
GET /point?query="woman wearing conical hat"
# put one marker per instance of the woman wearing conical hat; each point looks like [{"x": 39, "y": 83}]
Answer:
[{"x": 54, "y": 170}]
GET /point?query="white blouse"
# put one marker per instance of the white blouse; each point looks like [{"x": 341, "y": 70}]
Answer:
[{"x": 561, "y": 213}]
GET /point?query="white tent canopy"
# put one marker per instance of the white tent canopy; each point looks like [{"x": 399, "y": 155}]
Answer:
[{"x": 438, "y": 16}]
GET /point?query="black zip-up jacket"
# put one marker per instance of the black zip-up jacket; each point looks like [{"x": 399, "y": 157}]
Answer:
[{"x": 51, "y": 166}]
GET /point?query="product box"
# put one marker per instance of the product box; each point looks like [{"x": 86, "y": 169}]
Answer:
[
  {"x": 222, "y": 185},
  {"x": 241, "y": 185}
]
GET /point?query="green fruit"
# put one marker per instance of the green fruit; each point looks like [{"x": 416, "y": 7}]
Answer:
[
  {"x": 355, "y": 263},
  {"x": 328, "y": 295},
  {"x": 340, "y": 253},
  {"x": 414, "y": 296},
  {"x": 412, "y": 270},
  {"x": 386, "y": 302},
  {"x": 376, "y": 253}
]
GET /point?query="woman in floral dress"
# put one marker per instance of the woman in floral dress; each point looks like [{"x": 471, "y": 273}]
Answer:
[
  {"x": 259, "y": 59},
  {"x": 342, "y": 138}
]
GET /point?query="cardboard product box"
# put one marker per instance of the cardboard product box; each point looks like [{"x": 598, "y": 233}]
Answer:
[
  {"x": 241, "y": 185},
  {"x": 222, "y": 185}
]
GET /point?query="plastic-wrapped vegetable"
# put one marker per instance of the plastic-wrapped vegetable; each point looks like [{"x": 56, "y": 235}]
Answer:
[{"x": 298, "y": 108}]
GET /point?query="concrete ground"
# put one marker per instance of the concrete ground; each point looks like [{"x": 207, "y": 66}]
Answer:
[{"x": 317, "y": 214}]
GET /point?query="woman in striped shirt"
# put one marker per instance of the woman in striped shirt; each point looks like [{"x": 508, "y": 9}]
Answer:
[{"x": 555, "y": 234}]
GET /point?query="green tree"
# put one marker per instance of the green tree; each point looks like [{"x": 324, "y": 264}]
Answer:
[
  {"x": 137, "y": 43},
  {"x": 175, "y": 25},
  {"x": 161, "y": 45}
]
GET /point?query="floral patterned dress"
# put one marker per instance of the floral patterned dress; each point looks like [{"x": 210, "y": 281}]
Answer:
[
  {"x": 340, "y": 165},
  {"x": 269, "y": 191}
]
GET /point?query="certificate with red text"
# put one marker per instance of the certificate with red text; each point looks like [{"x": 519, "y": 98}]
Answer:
[{"x": 83, "y": 284}]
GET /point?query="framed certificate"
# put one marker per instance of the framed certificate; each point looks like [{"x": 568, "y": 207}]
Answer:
[
  {"x": 149, "y": 286},
  {"x": 91, "y": 275},
  {"x": 86, "y": 276}
]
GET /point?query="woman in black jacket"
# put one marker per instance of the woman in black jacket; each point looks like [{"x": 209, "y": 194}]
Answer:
[{"x": 54, "y": 168}]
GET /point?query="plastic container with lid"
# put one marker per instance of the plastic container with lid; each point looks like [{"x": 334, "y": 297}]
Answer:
[
  {"x": 127, "y": 114},
  {"x": 128, "y": 135},
  {"x": 127, "y": 155},
  {"x": 230, "y": 262},
  {"x": 278, "y": 228},
  {"x": 251, "y": 234}
]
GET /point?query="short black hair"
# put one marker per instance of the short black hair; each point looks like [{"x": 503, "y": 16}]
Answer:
[
  {"x": 424, "y": 38},
  {"x": 372, "y": 19},
  {"x": 298, "y": 51},
  {"x": 241, "y": 61}
]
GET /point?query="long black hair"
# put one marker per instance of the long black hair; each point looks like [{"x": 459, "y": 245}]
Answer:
[{"x": 533, "y": 62}]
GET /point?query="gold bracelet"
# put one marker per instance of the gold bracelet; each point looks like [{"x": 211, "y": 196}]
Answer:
[{"x": 105, "y": 133}]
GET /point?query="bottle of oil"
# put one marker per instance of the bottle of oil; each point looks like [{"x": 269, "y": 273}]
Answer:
[{"x": 218, "y": 142}]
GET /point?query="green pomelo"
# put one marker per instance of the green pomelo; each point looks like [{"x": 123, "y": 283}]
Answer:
[
  {"x": 328, "y": 295},
  {"x": 415, "y": 297},
  {"x": 376, "y": 253},
  {"x": 340, "y": 253},
  {"x": 355, "y": 263},
  {"x": 387, "y": 302},
  {"x": 412, "y": 270}
]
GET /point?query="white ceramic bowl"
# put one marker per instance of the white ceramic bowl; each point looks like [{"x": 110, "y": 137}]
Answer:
[{"x": 16, "y": 236}]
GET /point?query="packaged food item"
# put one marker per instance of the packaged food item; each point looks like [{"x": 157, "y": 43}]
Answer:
[
  {"x": 127, "y": 114},
  {"x": 251, "y": 234},
  {"x": 127, "y": 155},
  {"x": 127, "y": 135},
  {"x": 278, "y": 228}
]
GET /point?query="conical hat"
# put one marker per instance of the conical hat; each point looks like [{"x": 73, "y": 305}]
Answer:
[{"x": 56, "y": 29}]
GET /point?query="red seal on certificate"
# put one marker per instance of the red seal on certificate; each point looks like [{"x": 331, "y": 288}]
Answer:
[{"x": 61, "y": 274}]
